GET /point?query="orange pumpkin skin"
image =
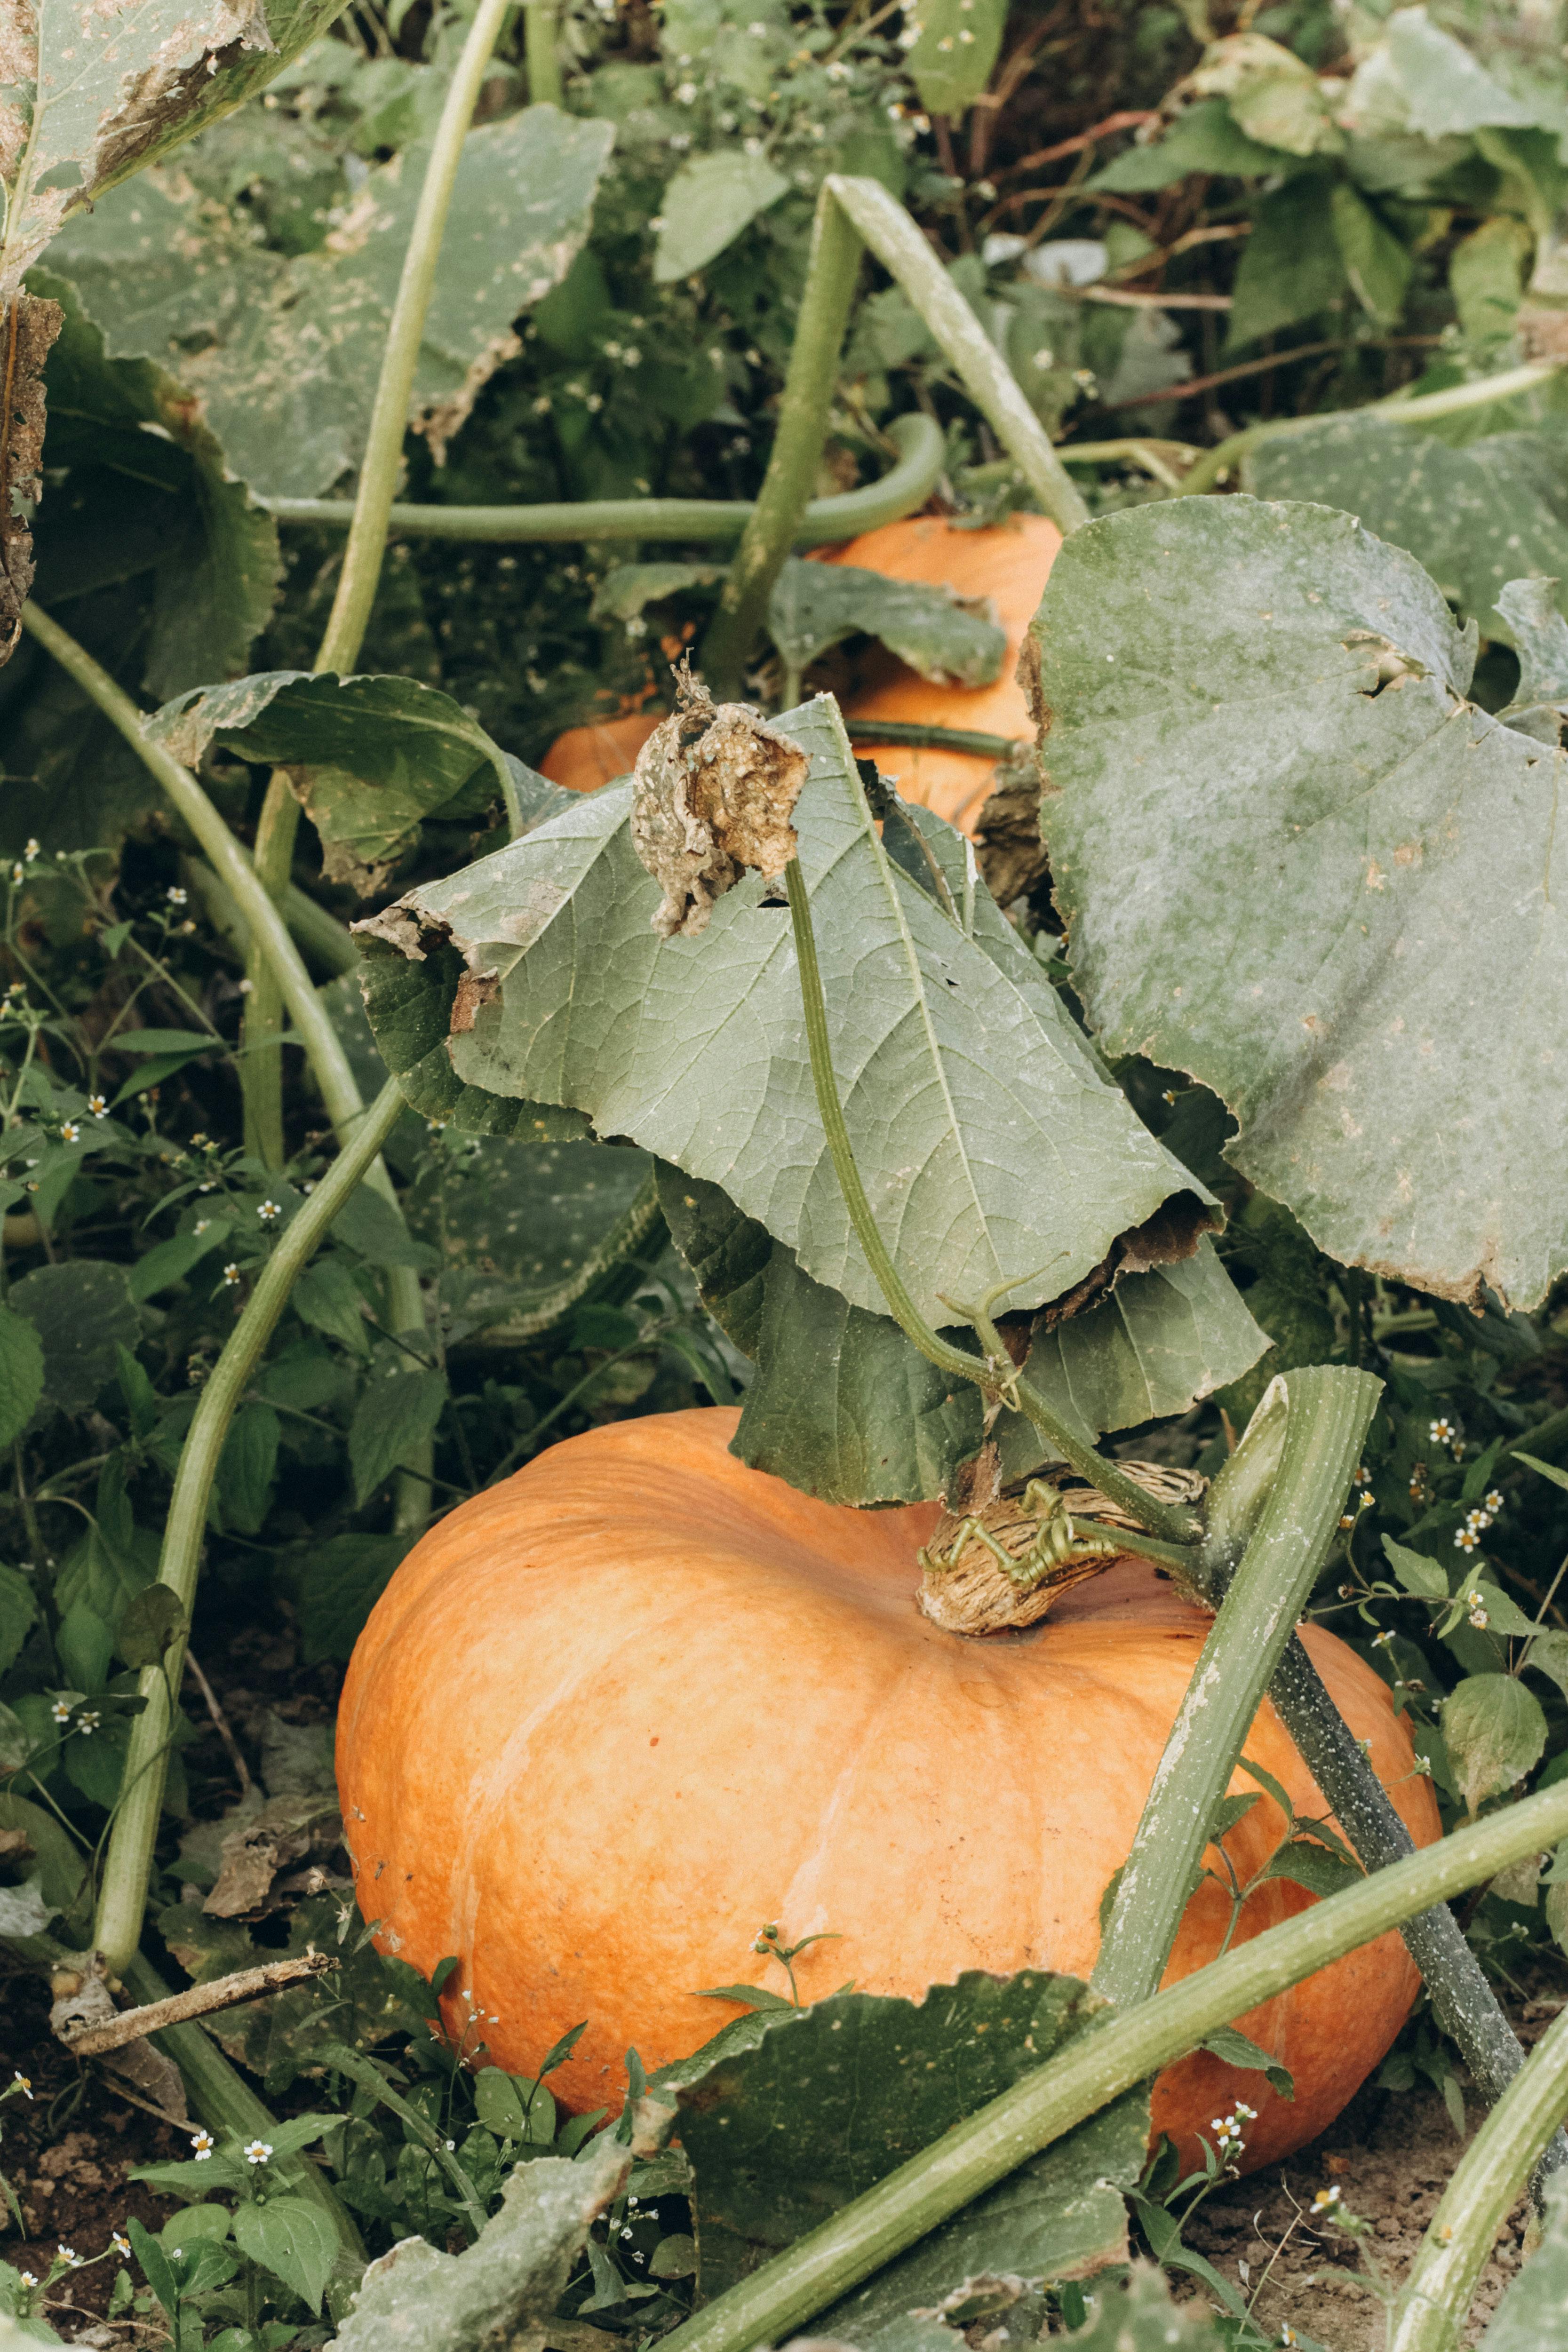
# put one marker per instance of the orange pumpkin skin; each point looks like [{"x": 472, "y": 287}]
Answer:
[
  {"x": 611, "y": 1716},
  {"x": 1008, "y": 562},
  {"x": 587, "y": 757}
]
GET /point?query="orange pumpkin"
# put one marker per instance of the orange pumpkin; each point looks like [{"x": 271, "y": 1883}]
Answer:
[
  {"x": 611, "y": 1716},
  {"x": 587, "y": 757},
  {"x": 1009, "y": 562}
]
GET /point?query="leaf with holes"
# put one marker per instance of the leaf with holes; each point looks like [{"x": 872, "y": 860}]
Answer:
[{"x": 1298, "y": 862}]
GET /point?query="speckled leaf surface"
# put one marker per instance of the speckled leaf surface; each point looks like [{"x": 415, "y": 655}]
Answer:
[
  {"x": 1296, "y": 862},
  {"x": 946, "y": 638},
  {"x": 988, "y": 1144},
  {"x": 88, "y": 93},
  {"x": 1475, "y": 517},
  {"x": 282, "y": 354},
  {"x": 1534, "y": 2314},
  {"x": 825, "y": 2103}
]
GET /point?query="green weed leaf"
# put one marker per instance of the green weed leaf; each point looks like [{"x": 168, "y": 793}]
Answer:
[
  {"x": 292, "y": 2238},
  {"x": 706, "y": 204},
  {"x": 396, "y": 1412},
  {"x": 21, "y": 1374},
  {"x": 1494, "y": 1731}
]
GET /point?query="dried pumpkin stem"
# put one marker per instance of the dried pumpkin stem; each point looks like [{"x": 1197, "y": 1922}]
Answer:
[
  {"x": 1329, "y": 1411},
  {"x": 993, "y": 1373},
  {"x": 123, "y": 1895},
  {"x": 1096, "y": 2068},
  {"x": 1436, "y": 2299}
]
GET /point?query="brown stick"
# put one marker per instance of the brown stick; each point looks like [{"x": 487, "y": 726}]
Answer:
[
  {"x": 197, "y": 2000},
  {"x": 1189, "y": 384},
  {"x": 220, "y": 1723},
  {"x": 1128, "y": 120}
]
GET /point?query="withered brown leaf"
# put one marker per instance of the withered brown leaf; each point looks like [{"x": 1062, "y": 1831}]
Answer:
[
  {"x": 712, "y": 795},
  {"x": 29, "y": 328}
]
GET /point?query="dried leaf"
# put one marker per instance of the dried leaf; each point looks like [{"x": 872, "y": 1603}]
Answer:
[
  {"x": 30, "y": 327},
  {"x": 712, "y": 795},
  {"x": 256, "y": 1849}
]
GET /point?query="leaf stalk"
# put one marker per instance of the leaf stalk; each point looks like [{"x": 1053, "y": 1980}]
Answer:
[{"x": 123, "y": 1895}]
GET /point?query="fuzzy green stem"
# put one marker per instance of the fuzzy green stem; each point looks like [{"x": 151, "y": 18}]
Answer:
[
  {"x": 993, "y": 1374},
  {"x": 1098, "y": 2067},
  {"x": 774, "y": 522},
  {"x": 262, "y": 1068},
  {"x": 1216, "y": 463},
  {"x": 358, "y": 580},
  {"x": 542, "y": 48},
  {"x": 124, "y": 1896},
  {"x": 901, "y": 491},
  {"x": 225, "y": 2101},
  {"x": 1435, "y": 2302},
  {"x": 1331, "y": 1409},
  {"x": 902, "y": 251}
]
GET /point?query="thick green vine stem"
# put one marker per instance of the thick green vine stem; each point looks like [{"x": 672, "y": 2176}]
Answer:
[
  {"x": 774, "y": 522},
  {"x": 1098, "y": 2067},
  {"x": 226, "y": 2101},
  {"x": 123, "y": 1895},
  {"x": 262, "y": 1069},
  {"x": 1329, "y": 1411},
  {"x": 992, "y": 1373},
  {"x": 903, "y": 251},
  {"x": 541, "y": 48},
  {"x": 1215, "y": 463},
  {"x": 901, "y": 491},
  {"x": 1435, "y": 2302}
]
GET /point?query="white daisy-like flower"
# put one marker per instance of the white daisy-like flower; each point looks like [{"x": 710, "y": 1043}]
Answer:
[
  {"x": 60, "y": 1711},
  {"x": 176, "y": 897},
  {"x": 231, "y": 1274},
  {"x": 23, "y": 2083},
  {"x": 1325, "y": 2201},
  {"x": 257, "y": 2151},
  {"x": 69, "y": 1132},
  {"x": 98, "y": 1106},
  {"x": 202, "y": 2141}
]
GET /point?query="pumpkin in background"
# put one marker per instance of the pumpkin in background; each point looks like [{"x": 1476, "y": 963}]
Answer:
[
  {"x": 1009, "y": 562},
  {"x": 612, "y": 1715},
  {"x": 587, "y": 757}
]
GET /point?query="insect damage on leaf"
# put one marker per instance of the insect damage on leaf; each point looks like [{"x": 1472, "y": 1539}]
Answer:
[
  {"x": 86, "y": 91},
  {"x": 712, "y": 794},
  {"x": 30, "y": 327}
]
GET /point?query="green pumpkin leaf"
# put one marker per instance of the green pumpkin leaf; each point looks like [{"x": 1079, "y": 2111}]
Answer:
[
  {"x": 281, "y": 354},
  {"x": 963, "y": 1082},
  {"x": 860, "y": 2082},
  {"x": 1258, "y": 712},
  {"x": 946, "y": 638}
]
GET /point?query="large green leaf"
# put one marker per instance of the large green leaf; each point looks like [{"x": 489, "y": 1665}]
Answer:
[
  {"x": 989, "y": 1143},
  {"x": 370, "y": 757},
  {"x": 92, "y": 93},
  {"x": 282, "y": 354},
  {"x": 1298, "y": 862},
  {"x": 817, "y": 2105},
  {"x": 844, "y": 1406},
  {"x": 1475, "y": 517}
]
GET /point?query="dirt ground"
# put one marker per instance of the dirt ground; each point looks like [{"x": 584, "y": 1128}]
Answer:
[{"x": 1390, "y": 2156}]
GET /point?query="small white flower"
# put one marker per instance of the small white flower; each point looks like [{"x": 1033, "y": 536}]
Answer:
[
  {"x": 231, "y": 1274},
  {"x": 257, "y": 2151},
  {"x": 28, "y": 2279},
  {"x": 18, "y": 873},
  {"x": 631, "y": 356},
  {"x": 1493, "y": 1501},
  {"x": 69, "y": 2254},
  {"x": 1381, "y": 1640},
  {"x": 685, "y": 95},
  {"x": 1325, "y": 2201},
  {"x": 1363, "y": 1475},
  {"x": 176, "y": 898},
  {"x": 87, "y": 1721},
  {"x": 23, "y": 2083},
  {"x": 30, "y": 850},
  {"x": 60, "y": 1710},
  {"x": 98, "y": 1106},
  {"x": 69, "y": 1132},
  {"x": 121, "y": 2243},
  {"x": 269, "y": 1211},
  {"x": 202, "y": 2141},
  {"x": 245, "y": 986}
]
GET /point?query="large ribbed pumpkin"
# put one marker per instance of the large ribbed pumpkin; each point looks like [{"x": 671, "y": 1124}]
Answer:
[
  {"x": 1009, "y": 562},
  {"x": 611, "y": 1716}
]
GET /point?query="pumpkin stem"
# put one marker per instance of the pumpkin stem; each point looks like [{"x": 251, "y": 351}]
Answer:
[{"x": 1008, "y": 1564}]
